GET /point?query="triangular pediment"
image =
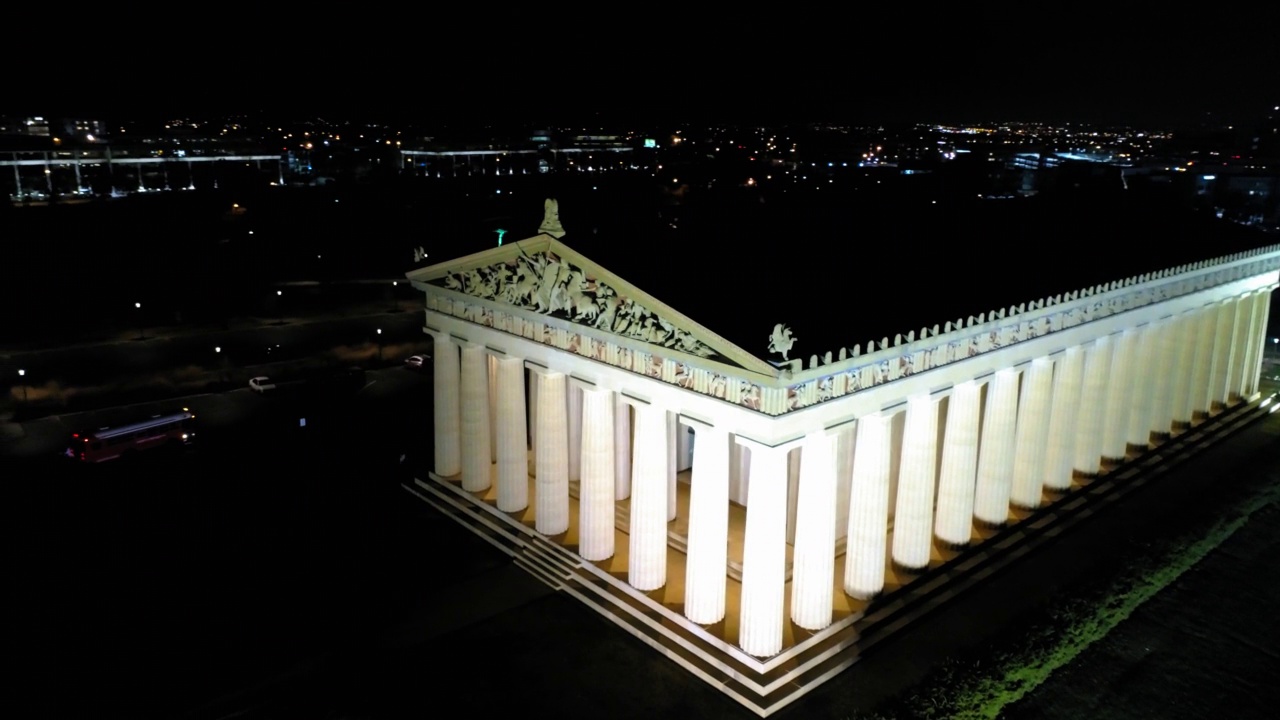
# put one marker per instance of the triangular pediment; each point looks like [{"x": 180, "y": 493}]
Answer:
[{"x": 542, "y": 275}]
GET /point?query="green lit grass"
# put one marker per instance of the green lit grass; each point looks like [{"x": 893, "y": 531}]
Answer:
[{"x": 974, "y": 690}]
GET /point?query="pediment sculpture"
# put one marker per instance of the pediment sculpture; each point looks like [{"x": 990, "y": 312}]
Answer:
[
  {"x": 781, "y": 340},
  {"x": 547, "y": 284}
]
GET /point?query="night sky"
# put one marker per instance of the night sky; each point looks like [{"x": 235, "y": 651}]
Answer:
[{"x": 655, "y": 63}]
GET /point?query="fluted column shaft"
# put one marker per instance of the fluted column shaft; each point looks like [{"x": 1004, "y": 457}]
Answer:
[
  {"x": 1239, "y": 347},
  {"x": 1064, "y": 410},
  {"x": 595, "y": 507},
  {"x": 446, "y": 406},
  {"x": 534, "y": 377},
  {"x": 1093, "y": 401},
  {"x": 1202, "y": 368},
  {"x": 1032, "y": 434},
  {"x": 1261, "y": 343},
  {"x": 672, "y": 473},
  {"x": 476, "y": 468},
  {"x": 995, "y": 453},
  {"x": 813, "y": 561},
  {"x": 1115, "y": 424},
  {"x": 954, "y": 522},
  {"x": 844, "y": 475},
  {"x": 793, "y": 492},
  {"x": 739, "y": 472},
  {"x": 1219, "y": 364},
  {"x": 647, "y": 561},
  {"x": 917, "y": 474},
  {"x": 621, "y": 449},
  {"x": 492, "y": 362},
  {"x": 764, "y": 554},
  {"x": 1166, "y": 364},
  {"x": 513, "y": 440},
  {"x": 551, "y": 481},
  {"x": 1138, "y": 434},
  {"x": 705, "y": 570},
  {"x": 573, "y": 398},
  {"x": 1180, "y": 385},
  {"x": 868, "y": 508},
  {"x": 1252, "y": 337}
]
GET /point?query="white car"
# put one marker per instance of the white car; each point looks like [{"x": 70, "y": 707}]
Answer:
[
  {"x": 261, "y": 384},
  {"x": 416, "y": 362}
]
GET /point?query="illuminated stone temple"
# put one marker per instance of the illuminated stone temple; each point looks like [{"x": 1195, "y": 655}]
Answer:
[{"x": 747, "y": 514}]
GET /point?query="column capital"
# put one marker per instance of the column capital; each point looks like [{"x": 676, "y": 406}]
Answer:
[
  {"x": 631, "y": 398},
  {"x": 758, "y": 446},
  {"x": 543, "y": 370},
  {"x": 698, "y": 423},
  {"x": 594, "y": 384}
]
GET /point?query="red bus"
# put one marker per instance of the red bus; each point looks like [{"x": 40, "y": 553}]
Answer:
[{"x": 174, "y": 429}]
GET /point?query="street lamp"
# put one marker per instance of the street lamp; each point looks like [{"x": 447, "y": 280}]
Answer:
[
  {"x": 394, "y": 306},
  {"x": 142, "y": 333},
  {"x": 379, "y": 346},
  {"x": 279, "y": 308},
  {"x": 22, "y": 373}
]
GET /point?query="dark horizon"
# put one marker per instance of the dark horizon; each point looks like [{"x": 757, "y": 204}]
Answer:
[{"x": 1128, "y": 67}]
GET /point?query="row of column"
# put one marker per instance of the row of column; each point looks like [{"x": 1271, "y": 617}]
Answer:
[{"x": 1037, "y": 427}]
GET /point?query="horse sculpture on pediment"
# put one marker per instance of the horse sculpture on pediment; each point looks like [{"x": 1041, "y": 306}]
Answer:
[{"x": 781, "y": 340}]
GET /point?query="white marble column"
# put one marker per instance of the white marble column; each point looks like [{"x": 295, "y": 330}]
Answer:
[
  {"x": 1252, "y": 340},
  {"x": 476, "y": 468},
  {"x": 647, "y": 562},
  {"x": 813, "y": 559},
  {"x": 551, "y": 481},
  {"x": 1093, "y": 403},
  {"x": 739, "y": 472},
  {"x": 1031, "y": 435},
  {"x": 917, "y": 475},
  {"x": 793, "y": 492},
  {"x": 1064, "y": 411},
  {"x": 764, "y": 554},
  {"x": 621, "y": 448},
  {"x": 1166, "y": 362},
  {"x": 1239, "y": 347},
  {"x": 595, "y": 504},
  {"x": 534, "y": 377},
  {"x": 1115, "y": 423},
  {"x": 995, "y": 452},
  {"x": 684, "y": 448},
  {"x": 705, "y": 568},
  {"x": 492, "y": 362},
  {"x": 1142, "y": 400},
  {"x": 844, "y": 476},
  {"x": 1255, "y": 373},
  {"x": 573, "y": 398},
  {"x": 954, "y": 522},
  {"x": 1219, "y": 364},
  {"x": 1179, "y": 389},
  {"x": 446, "y": 406},
  {"x": 673, "y": 424},
  {"x": 1202, "y": 368},
  {"x": 513, "y": 439},
  {"x": 865, "y": 551}
]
